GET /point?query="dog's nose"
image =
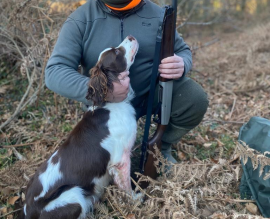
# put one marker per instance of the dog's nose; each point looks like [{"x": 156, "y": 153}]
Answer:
[{"x": 131, "y": 38}]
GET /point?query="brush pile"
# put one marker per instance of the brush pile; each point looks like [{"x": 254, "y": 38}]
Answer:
[
  {"x": 194, "y": 189},
  {"x": 235, "y": 72},
  {"x": 28, "y": 32}
]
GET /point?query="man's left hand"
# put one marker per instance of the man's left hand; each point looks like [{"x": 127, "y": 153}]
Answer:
[{"x": 171, "y": 67}]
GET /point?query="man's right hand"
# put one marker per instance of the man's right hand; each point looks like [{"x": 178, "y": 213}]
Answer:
[{"x": 120, "y": 89}]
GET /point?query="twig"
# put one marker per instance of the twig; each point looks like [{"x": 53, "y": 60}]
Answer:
[
  {"x": 181, "y": 4},
  {"x": 18, "y": 49},
  {"x": 136, "y": 147},
  {"x": 51, "y": 20},
  {"x": 111, "y": 205},
  {"x": 10, "y": 213},
  {"x": 27, "y": 178},
  {"x": 148, "y": 179},
  {"x": 234, "y": 102},
  {"x": 18, "y": 155},
  {"x": 189, "y": 15},
  {"x": 17, "y": 145},
  {"x": 230, "y": 200},
  {"x": 251, "y": 89},
  {"x": 203, "y": 23},
  {"x": 42, "y": 76},
  {"x": 225, "y": 122},
  {"x": 137, "y": 185},
  {"x": 41, "y": 22},
  {"x": 188, "y": 185},
  {"x": 200, "y": 72},
  {"x": 55, "y": 103},
  {"x": 206, "y": 44},
  {"x": 20, "y": 106},
  {"x": 118, "y": 209},
  {"x": 223, "y": 127}
]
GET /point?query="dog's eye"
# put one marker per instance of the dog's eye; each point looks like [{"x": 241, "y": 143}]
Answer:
[{"x": 116, "y": 51}]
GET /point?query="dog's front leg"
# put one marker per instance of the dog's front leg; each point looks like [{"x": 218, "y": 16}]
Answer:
[{"x": 121, "y": 172}]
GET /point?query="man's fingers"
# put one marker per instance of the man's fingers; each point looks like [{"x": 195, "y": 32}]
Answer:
[
  {"x": 125, "y": 81},
  {"x": 120, "y": 88},
  {"x": 174, "y": 65},
  {"x": 123, "y": 75},
  {"x": 171, "y": 76},
  {"x": 171, "y": 59},
  {"x": 169, "y": 71}
]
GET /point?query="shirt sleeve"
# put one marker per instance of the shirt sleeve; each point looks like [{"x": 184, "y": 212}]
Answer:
[
  {"x": 61, "y": 75},
  {"x": 182, "y": 49}
]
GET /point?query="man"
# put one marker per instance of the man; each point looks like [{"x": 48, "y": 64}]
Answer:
[{"x": 100, "y": 24}]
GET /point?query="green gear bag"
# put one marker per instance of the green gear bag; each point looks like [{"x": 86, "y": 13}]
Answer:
[{"x": 256, "y": 134}]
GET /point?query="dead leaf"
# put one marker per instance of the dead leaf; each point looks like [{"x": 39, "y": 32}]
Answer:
[
  {"x": 237, "y": 171},
  {"x": 200, "y": 139},
  {"x": 222, "y": 161},
  {"x": 12, "y": 200},
  {"x": 182, "y": 155},
  {"x": 5, "y": 191},
  {"x": 3, "y": 89},
  {"x": 219, "y": 216},
  {"x": 220, "y": 144},
  {"x": 131, "y": 216},
  {"x": 207, "y": 145},
  {"x": 10, "y": 216},
  {"x": 195, "y": 160},
  {"x": 252, "y": 208},
  {"x": 23, "y": 197},
  {"x": 213, "y": 160},
  {"x": 6, "y": 116},
  {"x": 234, "y": 158},
  {"x": 9, "y": 152},
  {"x": 227, "y": 117},
  {"x": 3, "y": 210}
]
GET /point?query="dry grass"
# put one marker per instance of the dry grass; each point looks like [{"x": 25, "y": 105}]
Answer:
[{"x": 235, "y": 72}]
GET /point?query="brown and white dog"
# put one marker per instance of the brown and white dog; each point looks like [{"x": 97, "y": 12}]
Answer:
[{"x": 95, "y": 153}]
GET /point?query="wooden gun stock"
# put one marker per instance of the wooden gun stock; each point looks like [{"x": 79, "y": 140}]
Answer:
[{"x": 167, "y": 49}]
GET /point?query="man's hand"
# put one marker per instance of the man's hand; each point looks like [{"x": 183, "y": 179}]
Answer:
[
  {"x": 120, "y": 89},
  {"x": 171, "y": 67}
]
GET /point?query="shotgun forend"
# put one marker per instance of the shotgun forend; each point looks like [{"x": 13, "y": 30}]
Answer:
[{"x": 165, "y": 97}]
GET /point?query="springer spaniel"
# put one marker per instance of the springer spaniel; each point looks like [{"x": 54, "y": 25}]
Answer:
[{"x": 96, "y": 152}]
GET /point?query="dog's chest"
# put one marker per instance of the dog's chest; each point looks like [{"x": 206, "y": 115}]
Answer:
[
  {"x": 122, "y": 127},
  {"x": 122, "y": 120}
]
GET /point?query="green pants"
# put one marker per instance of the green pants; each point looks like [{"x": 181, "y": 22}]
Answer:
[{"x": 189, "y": 104}]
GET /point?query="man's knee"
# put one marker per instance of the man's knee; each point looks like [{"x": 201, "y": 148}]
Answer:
[
  {"x": 189, "y": 104},
  {"x": 198, "y": 98}
]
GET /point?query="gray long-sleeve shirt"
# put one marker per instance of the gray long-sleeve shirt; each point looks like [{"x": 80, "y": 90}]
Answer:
[{"x": 92, "y": 28}]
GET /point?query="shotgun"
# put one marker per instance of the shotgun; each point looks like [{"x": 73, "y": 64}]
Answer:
[{"x": 164, "y": 48}]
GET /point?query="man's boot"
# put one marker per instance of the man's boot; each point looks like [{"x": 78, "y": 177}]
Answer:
[
  {"x": 172, "y": 135},
  {"x": 166, "y": 150}
]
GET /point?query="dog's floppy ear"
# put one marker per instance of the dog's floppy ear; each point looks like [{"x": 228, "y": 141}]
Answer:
[
  {"x": 101, "y": 82},
  {"x": 97, "y": 90}
]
